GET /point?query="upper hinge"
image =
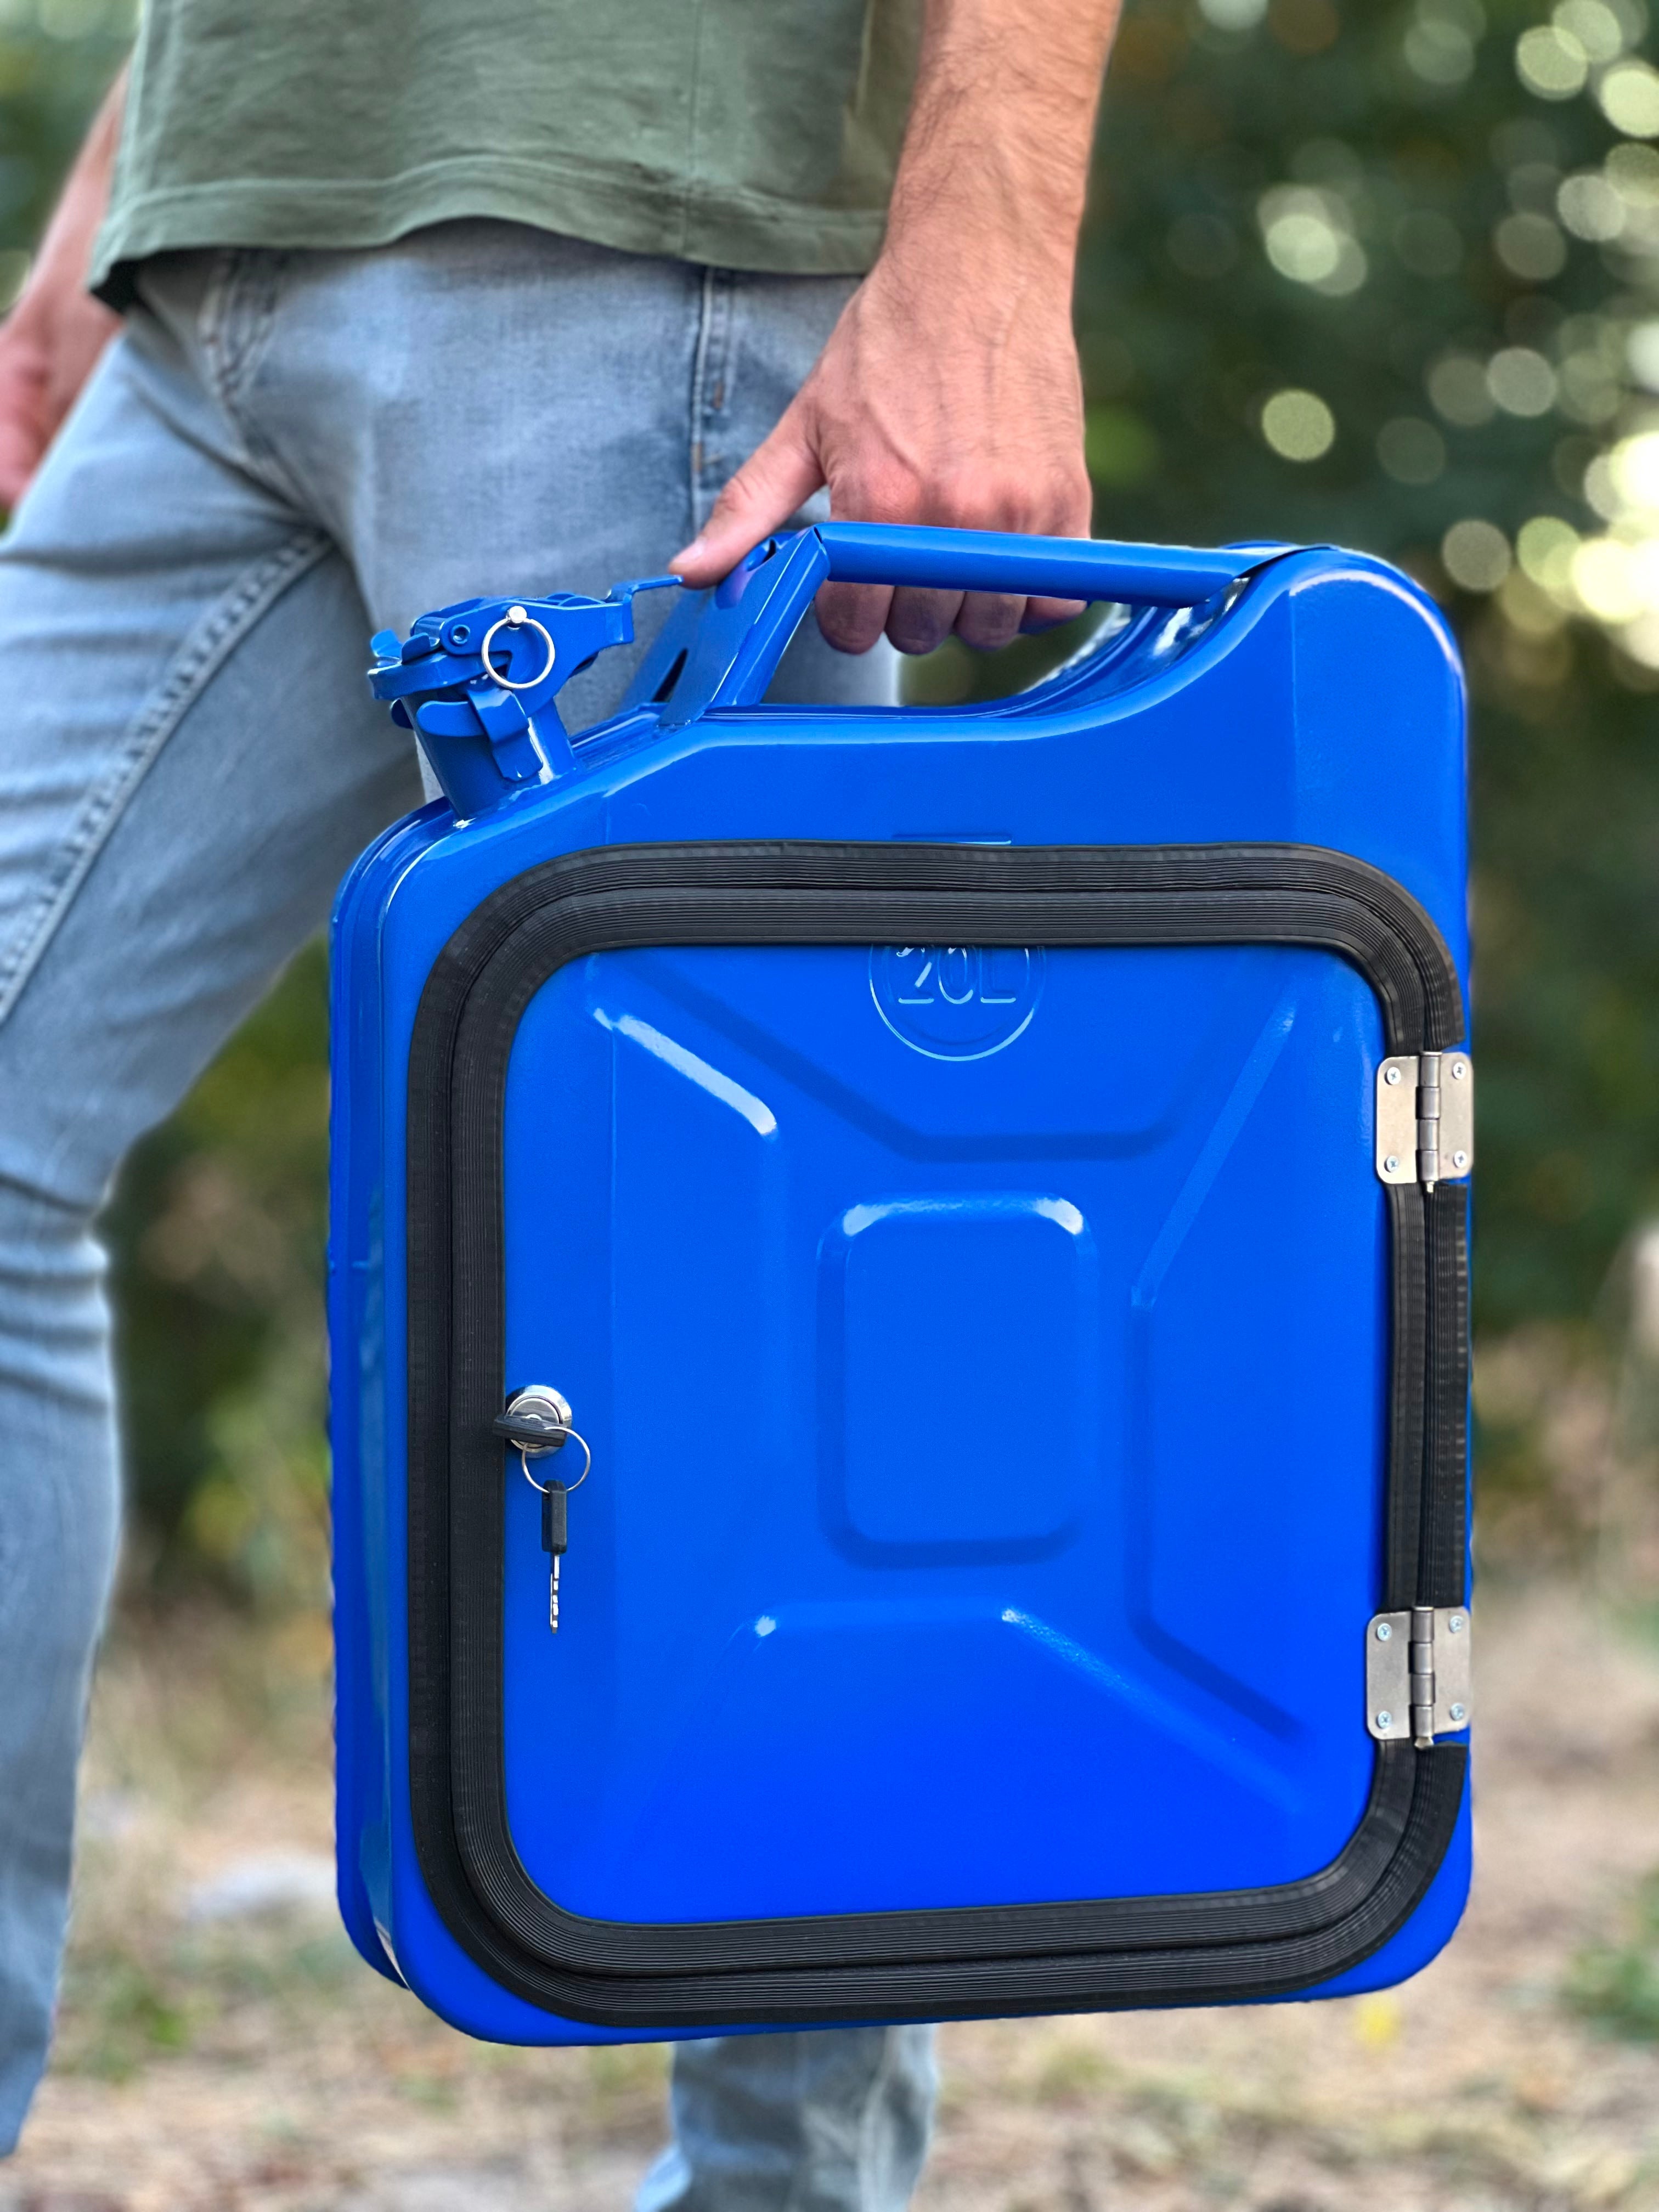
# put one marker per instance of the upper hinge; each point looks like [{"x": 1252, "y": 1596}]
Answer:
[
  {"x": 1426, "y": 1117},
  {"x": 1417, "y": 1674}
]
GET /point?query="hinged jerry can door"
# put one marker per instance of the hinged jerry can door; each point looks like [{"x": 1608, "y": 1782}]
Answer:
[{"x": 983, "y": 1352}]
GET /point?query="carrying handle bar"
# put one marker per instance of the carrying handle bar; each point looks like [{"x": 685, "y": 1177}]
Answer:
[
  {"x": 1041, "y": 567},
  {"x": 740, "y": 636}
]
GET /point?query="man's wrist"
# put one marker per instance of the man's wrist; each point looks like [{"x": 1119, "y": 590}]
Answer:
[
  {"x": 34, "y": 319},
  {"x": 54, "y": 290},
  {"x": 983, "y": 276},
  {"x": 984, "y": 213},
  {"x": 55, "y": 293}
]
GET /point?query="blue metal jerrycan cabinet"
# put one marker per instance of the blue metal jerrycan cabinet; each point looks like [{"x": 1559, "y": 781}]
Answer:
[{"x": 957, "y": 1217}]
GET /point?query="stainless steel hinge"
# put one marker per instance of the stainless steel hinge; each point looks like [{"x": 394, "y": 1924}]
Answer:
[
  {"x": 1426, "y": 1117},
  {"x": 1417, "y": 1674}
]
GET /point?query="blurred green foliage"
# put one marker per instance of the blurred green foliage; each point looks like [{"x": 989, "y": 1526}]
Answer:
[
  {"x": 55, "y": 58},
  {"x": 1352, "y": 273},
  {"x": 1616, "y": 1984},
  {"x": 1474, "y": 356}
]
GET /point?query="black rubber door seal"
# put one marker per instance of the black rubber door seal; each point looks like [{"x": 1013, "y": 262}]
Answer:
[{"x": 1094, "y": 1954}]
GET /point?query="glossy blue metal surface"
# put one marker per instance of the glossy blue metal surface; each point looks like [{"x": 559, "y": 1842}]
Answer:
[
  {"x": 952, "y": 1450},
  {"x": 981, "y": 1351}
]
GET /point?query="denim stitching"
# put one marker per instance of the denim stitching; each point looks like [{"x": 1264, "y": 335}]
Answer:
[
  {"x": 199, "y": 660},
  {"x": 238, "y": 315},
  {"x": 711, "y": 391},
  {"x": 210, "y": 315},
  {"x": 693, "y": 413}
]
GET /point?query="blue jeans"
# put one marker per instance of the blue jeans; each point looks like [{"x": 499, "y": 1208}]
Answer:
[{"x": 282, "y": 452}]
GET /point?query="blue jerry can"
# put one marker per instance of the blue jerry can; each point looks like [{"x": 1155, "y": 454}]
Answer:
[{"x": 978, "y": 1196}]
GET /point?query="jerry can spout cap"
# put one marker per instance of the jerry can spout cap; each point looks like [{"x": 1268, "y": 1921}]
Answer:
[{"x": 476, "y": 682}]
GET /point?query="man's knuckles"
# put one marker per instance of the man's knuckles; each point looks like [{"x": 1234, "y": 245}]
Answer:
[
  {"x": 852, "y": 615},
  {"x": 975, "y": 501},
  {"x": 988, "y": 621},
  {"x": 920, "y": 620}
]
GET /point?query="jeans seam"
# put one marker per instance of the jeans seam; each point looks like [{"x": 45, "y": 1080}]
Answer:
[
  {"x": 238, "y": 315},
  {"x": 198, "y": 661},
  {"x": 711, "y": 385},
  {"x": 210, "y": 315}
]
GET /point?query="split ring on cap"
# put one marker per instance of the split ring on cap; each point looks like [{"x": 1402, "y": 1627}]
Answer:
[{"x": 517, "y": 618}]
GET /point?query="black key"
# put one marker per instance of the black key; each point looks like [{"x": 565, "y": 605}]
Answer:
[{"x": 555, "y": 1540}]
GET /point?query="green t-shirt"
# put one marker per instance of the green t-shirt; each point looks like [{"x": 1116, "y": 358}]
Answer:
[{"x": 751, "y": 134}]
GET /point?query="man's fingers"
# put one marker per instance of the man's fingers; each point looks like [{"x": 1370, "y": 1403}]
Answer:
[
  {"x": 988, "y": 620},
  {"x": 919, "y": 620},
  {"x": 26, "y": 424},
  {"x": 15, "y": 470},
  {"x": 852, "y": 616},
  {"x": 21, "y": 449},
  {"x": 773, "y": 484},
  {"x": 1044, "y": 614}
]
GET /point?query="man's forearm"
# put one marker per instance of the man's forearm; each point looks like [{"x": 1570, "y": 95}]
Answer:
[
  {"x": 1002, "y": 126},
  {"x": 50, "y": 341},
  {"x": 64, "y": 254}
]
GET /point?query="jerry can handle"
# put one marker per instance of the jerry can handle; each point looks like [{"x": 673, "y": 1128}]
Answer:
[
  {"x": 1040, "y": 567},
  {"x": 744, "y": 630}
]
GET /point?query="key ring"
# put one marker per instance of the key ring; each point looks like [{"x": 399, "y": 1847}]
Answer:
[
  {"x": 517, "y": 618},
  {"x": 575, "y": 1437}
]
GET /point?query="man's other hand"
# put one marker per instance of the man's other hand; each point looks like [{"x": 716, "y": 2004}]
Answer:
[
  {"x": 50, "y": 341},
  {"x": 48, "y": 348},
  {"x": 948, "y": 392}
]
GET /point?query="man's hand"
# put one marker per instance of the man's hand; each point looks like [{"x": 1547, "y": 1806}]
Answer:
[
  {"x": 48, "y": 348},
  {"x": 52, "y": 337},
  {"x": 949, "y": 390}
]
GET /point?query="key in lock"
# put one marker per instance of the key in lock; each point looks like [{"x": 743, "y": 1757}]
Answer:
[{"x": 537, "y": 1423}]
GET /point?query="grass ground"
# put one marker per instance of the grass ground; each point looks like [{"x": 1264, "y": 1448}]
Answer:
[{"x": 221, "y": 2048}]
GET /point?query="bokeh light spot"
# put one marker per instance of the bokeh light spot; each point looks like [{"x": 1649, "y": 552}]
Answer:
[
  {"x": 1642, "y": 354},
  {"x": 1298, "y": 425},
  {"x": 1233, "y": 15},
  {"x": 1411, "y": 451},
  {"x": 1545, "y": 547},
  {"x": 1308, "y": 238},
  {"x": 1633, "y": 467},
  {"x": 1590, "y": 207},
  {"x": 1439, "y": 52},
  {"x": 1551, "y": 63},
  {"x": 1530, "y": 246},
  {"x": 1476, "y": 555},
  {"x": 1594, "y": 25},
  {"x": 1604, "y": 578},
  {"x": 1630, "y": 98},
  {"x": 1522, "y": 381},
  {"x": 1459, "y": 390}
]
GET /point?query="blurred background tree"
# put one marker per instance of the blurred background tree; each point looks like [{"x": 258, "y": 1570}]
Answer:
[{"x": 1382, "y": 273}]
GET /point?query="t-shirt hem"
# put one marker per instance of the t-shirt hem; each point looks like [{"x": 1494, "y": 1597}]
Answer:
[{"x": 728, "y": 229}]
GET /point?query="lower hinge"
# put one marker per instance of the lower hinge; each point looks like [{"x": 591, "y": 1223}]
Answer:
[
  {"x": 1417, "y": 1674},
  {"x": 1426, "y": 1117}
]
